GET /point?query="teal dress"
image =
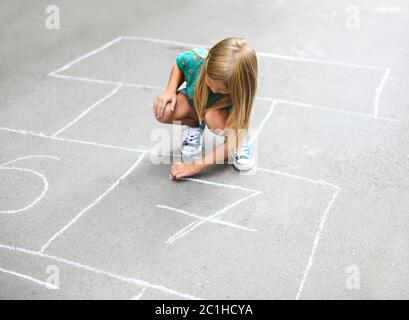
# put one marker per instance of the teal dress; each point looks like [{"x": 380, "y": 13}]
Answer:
[{"x": 190, "y": 63}]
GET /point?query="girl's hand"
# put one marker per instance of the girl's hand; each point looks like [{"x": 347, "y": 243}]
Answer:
[
  {"x": 181, "y": 170},
  {"x": 162, "y": 101}
]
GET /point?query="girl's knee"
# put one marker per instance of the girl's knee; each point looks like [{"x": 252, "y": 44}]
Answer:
[
  {"x": 167, "y": 116},
  {"x": 216, "y": 120}
]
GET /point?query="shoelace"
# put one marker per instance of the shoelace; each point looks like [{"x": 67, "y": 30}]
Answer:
[
  {"x": 193, "y": 137},
  {"x": 244, "y": 152}
]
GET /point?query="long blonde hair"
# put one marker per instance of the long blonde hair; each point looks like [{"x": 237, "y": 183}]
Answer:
[{"x": 234, "y": 62}]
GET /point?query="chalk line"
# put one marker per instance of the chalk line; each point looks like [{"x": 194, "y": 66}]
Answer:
[
  {"x": 5, "y": 166},
  {"x": 107, "y": 82},
  {"x": 221, "y": 222},
  {"x": 85, "y": 112},
  {"x": 164, "y": 41},
  {"x": 296, "y": 103},
  {"x": 189, "y": 228},
  {"x": 87, "y": 55},
  {"x": 91, "y": 143},
  {"x": 312, "y": 106},
  {"x": 379, "y": 91},
  {"x": 263, "y": 122},
  {"x": 93, "y": 204},
  {"x": 261, "y": 54},
  {"x": 319, "y": 61},
  {"x": 139, "y": 296},
  {"x": 30, "y": 157},
  {"x": 32, "y": 204},
  {"x": 23, "y": 276},
  {"x": 321, "y": 182},
  {"x": 217, "y": 184},
  {"x": 315, "y": 245},
  {"x": 133, "y": 281}
]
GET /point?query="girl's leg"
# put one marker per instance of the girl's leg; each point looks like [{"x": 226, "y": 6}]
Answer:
[
  {"x": 216, "y": 120},
  {"x": 183, "y": 112}
]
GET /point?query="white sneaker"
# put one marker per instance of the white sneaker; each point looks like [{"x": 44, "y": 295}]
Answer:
[
  {"x": 192, "y": 146},
  {"x": 243, "y": 159}
]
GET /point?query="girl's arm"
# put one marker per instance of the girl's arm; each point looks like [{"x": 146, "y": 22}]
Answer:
[
  {"x": 217, "y": 156},
  {"x": 176, "y": 79}
]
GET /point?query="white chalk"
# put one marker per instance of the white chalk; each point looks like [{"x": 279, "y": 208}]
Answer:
[
  {"x": 315, "y": 245},
  {"x": 78, "y": 265},
  {"x": 30, "y": 157},
  {"x": 263, "y": 122},
  {"x": 260, "y": 54},
  {"x": 379, "y": 91},
  {"x": 23, "y": 276},
  {"x": 32, "y": 204},
  {"x": 216, "y": 221},
  {"x": 139, "y": 296},
  {"x": 87, "y": 55}
]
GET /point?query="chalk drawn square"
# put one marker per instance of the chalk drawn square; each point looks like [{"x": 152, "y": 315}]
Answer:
[
  {"x": 318, "y": 144},
  {"x": 65, "y": 176}
]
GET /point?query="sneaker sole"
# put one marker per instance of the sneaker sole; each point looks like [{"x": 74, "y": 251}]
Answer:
[
  {"x": 244, "y": 167},
  {"x": 191, "y": 153}
]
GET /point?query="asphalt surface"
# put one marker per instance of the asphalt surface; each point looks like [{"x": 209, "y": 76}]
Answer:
[{"x": 86, "y": 204}]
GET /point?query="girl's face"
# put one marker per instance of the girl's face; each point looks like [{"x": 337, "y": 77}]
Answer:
[{"x": 217, "y": 86}]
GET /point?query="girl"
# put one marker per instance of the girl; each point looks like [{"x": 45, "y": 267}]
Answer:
[{"x": 220, "y": 89}]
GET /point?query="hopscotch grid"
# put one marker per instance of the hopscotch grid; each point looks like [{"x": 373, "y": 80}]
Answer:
[
  {"x": 316, "y": 241},
  {"x": 93, "y": 204},
  {"x": 78, "y": 265}
]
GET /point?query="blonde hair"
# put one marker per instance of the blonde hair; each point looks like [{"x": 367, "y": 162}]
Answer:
[{"x": 234, "y": 62}]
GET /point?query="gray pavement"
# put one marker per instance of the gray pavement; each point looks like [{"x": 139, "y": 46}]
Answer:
[{"x": 86, "y": 205}]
